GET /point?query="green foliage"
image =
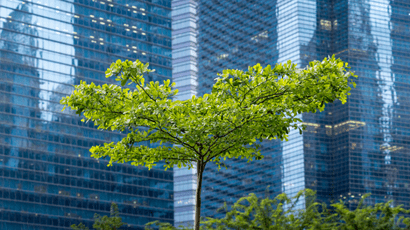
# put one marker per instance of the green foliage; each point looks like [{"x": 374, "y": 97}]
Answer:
[
  {"x": 378, "y": 217},
  {"x": 80, "y": 226},
  {"x": 261, "y": 103},
  {"x": 112, "y": 222},
  {"x": 108, "y": 223},
  {"x": 164, "y": 226},
  {"x": 280, "y": 213},
  {"x": 244, "y": 106}
]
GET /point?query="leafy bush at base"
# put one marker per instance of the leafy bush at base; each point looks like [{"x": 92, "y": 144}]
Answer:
[{"x": 284, "y": 213}]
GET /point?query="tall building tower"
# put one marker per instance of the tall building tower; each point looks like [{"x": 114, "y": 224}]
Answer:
[
  {"x": 347, "y": 150},
  {"x": 209, "y": 36},
  {"x": 48, "y": 180}
]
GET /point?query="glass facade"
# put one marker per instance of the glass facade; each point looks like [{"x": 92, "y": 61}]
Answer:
[
  {"x": 48, "y": 180},
  {"x": 209, "y": 36},
  {"x": 375, "y": 144},
  {"x": 347, "y": 150},
  {"x": 184, "y": 75},
  {"x": 361, "y": 147},
  {"x": 235, "y": 35}
]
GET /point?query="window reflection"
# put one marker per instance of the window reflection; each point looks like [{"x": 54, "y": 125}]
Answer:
[{"x": 48, "y": 178}]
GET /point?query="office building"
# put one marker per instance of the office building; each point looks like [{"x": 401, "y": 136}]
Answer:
[
  {"x": 209, "y": 36},
  {"x": 48, "y": 179},
  {"x": 347, "y": 150}
]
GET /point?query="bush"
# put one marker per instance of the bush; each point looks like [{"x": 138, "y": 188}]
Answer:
[
  {"x": 282, "y": 213},
  {"x": 113, "y": 222}
]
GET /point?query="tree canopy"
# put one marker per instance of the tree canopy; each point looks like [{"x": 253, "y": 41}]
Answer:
[
  {"x": 261, "y": 103},
  {"x": 243, "y": 107}
]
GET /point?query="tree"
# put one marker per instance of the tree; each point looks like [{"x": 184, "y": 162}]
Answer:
[
  {"x": 243, "y": 107},
  {"x": 112, "y": 222}
]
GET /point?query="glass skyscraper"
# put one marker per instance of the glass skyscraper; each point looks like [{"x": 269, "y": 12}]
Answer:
[
  {"x": 347, "y": 150},
  {"x": 47, "y": 178}
]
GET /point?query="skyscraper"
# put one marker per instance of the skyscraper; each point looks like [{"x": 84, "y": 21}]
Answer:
[
  {"x": 347, "y": 150},
  {"x": 209, "y": 36},
  {"x": 48, "y": 180}
]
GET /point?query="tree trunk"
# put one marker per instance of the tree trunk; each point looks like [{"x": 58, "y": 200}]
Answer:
[{"x": 200, "y": 169}]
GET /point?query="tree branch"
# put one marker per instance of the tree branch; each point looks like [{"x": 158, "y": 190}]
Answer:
[
  {"x": 250, "y": 89},
  {"x": 220, "y": 152},
  {"x": 180, "y": 141},
  {"x": 136, "y": 82},
  {"x": 268, "y": 97}
]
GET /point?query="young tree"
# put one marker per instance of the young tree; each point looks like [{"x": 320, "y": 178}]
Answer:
[{"x": 243, "y": 107}]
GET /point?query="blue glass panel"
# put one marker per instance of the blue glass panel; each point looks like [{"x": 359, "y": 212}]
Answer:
[
  {"x": 347, "y": 150},
  {"x": 48, "y": 180}
]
